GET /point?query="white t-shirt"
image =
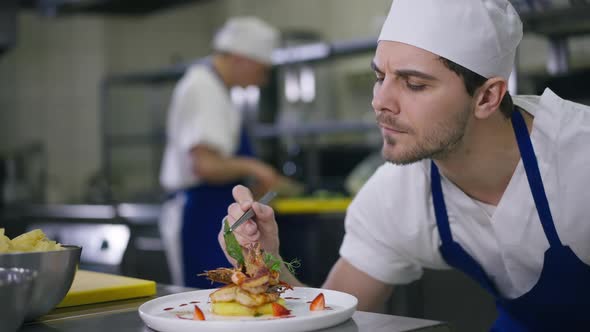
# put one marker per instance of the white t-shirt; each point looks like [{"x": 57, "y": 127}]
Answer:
[
  {"x": 391, "y": 231},
  {"x": 201, "y": 112}
]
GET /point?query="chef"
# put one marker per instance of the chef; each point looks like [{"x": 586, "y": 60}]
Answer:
[
  {"x": 207, "y": 150},
  {"x": 492, "y": 185}
]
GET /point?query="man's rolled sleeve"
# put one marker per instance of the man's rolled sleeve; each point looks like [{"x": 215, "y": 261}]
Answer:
[
  {"x": 377, "y": 260},
  {"x": 374, "y": 240}
]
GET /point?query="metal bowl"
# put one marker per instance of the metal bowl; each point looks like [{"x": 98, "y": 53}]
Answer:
[
  {"x": 55, "y": 273},
  {"x": 16, "y": 286}
]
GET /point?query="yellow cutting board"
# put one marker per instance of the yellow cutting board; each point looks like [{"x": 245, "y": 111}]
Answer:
[
  {"x": 311, "y": 205},
  {"x": 94, "y": 287}
]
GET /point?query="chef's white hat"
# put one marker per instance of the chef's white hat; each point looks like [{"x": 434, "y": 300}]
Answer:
[
  {"x": 480, "y": 35},
  {"x": 247, "y": 36}
]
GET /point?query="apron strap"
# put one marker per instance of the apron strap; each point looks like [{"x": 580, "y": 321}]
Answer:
[
  {"x": 440, "y": 209},
  {"x": 452, "y": 251},
  {"x": 531, "y": 167}
]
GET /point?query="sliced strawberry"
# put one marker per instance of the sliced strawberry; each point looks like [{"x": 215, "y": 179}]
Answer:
[
  {"x": 279, "y": 310},
  {"x": 198, "y": 315},
  {"x": 319, "y": 303}
]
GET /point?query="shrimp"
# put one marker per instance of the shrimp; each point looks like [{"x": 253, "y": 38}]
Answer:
[
  {"x": 222, "y": 275},
  {"x": 224, "y": 294},
  {"x": 251, "y": 285}
]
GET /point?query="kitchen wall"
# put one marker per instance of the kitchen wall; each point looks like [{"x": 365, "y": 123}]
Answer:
[
  {"x": 49, "y": 81},
  {"x": 48, "y": 93},
  {"x": 154, "y": 41},
  {"x": 335, "y": 19},
  {"x": 150, "y": 42}
]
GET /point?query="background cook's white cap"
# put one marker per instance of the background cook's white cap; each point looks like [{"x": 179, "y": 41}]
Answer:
[
  {"x": 247, "y": 36},
  {"x": 480, "y": 35}
]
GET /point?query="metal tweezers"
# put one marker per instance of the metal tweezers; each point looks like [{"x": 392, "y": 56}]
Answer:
[{"x": 250, "y": 213}]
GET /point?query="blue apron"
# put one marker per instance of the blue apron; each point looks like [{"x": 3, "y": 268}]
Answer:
[
  {"x": 204, "y": 208},
  {"x": 560, "y": 301}
]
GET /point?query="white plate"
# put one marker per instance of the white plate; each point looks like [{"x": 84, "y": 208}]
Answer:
[{"x": 165, "y": 314}]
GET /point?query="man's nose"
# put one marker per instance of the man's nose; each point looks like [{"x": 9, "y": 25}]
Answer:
[
  {"x": 376, "y": 103},
  {"x": 384, "y": 98}
]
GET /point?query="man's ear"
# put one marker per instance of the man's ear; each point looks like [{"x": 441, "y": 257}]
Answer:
[{"x": 489, "y": 96}]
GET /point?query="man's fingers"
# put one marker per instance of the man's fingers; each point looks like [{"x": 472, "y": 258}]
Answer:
[
  {"x": 265, "y": 217},
  {"x": 245, "y": 234},
  {"x": 263, "y": 212},
  {"x": 245, "y": 238},
  {"x": 243, "y": 196},
  {"x": 234, "y": 211},
  {"x": 249, "y": 231},
  {"x": 249, "y": 228}
]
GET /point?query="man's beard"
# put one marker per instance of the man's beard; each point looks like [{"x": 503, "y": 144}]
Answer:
[{"x": 439, "y": 142}]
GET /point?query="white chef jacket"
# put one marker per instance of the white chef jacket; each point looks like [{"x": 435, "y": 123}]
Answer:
[
  {"x": 201, "y": 112},
  {"x": 391, "y": 230}
]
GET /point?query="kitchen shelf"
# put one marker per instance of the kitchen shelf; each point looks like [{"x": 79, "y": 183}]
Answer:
[
  {"x": 308, "y": 53},
  {"x": 559, "y": 22},
  {"x": 326, "y": 127},
  {"x": 166, "y": 77},
  {"x": 130, "y": 213}
]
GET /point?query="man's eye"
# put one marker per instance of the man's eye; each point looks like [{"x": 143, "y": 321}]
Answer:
[
  {"x": 379, "y": 79},
  {"x": 415, "y": 87}
]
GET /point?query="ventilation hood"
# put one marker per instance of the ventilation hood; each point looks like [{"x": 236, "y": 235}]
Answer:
[{"x": 109, "y": 7}]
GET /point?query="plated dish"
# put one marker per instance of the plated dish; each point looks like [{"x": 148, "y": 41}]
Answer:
[
  {"x": 253, "y": 298},
  {"x": 176, "y": 313}
]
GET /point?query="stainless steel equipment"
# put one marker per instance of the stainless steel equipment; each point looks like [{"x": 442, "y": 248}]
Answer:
[
  {"x": 55, "y": 273},
  {"x": 16, "y": 285},
  {"x": 104, "y": 244}
]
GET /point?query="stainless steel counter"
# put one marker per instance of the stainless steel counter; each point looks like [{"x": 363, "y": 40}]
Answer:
[{"x": 122, "y": 316}]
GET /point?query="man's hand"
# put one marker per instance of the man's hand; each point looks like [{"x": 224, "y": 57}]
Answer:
[
  {"x": 211, "y": 166},
  {"x": 266, "y": 178},
  {"x": 262, "y": 227}
]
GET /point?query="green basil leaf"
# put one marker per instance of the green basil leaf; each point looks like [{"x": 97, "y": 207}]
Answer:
[
  {"x": 232, "y": 245},
  {"x": 274, "y": 264}
]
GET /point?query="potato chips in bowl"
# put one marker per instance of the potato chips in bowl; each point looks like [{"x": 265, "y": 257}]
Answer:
[
  {"x": 55, "y": 266},
  {"x": 34, "y": 240}
]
